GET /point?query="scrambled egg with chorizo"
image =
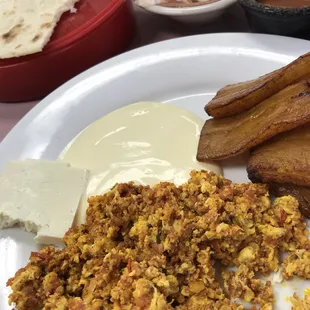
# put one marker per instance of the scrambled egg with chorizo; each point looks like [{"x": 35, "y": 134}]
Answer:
[
  {"x": 168, "y": 247},
  {"x": 299, "y": 304}
]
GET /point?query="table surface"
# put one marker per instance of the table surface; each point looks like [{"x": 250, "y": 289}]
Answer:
[{"x": 150, "y": 28}]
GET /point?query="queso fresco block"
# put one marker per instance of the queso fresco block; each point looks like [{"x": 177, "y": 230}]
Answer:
[{"x": 43, "y": 196}]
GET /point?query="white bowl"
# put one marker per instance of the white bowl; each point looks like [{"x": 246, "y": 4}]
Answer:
[{"x": 205, "y": 13}]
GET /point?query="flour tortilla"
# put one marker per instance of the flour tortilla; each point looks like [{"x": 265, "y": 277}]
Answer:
[{"x": 26, "y": 26}]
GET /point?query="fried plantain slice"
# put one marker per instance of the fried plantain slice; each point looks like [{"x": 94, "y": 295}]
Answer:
[
  {"x": 237, "y": 98},
  {"x": 301, "y": 193},
  {"x": 227, "y": 137},
  {"x": 284, "y": 159}
]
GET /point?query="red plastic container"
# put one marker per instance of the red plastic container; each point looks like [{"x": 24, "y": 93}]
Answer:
[{"x": 100, "y": 29}]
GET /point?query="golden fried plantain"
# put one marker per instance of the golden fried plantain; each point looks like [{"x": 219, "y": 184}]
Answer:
[
  {"x": 234, "y": 99},
  {"x": 227, "y": 137},
  {"x": 284, "y": 159},
  {"x": 301, "y": 193},
  {"x": 283, "y": 162}
]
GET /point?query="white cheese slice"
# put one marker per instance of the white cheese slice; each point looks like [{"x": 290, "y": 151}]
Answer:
[
  {"x": 43, "y": 196},
  {"x": 26, "y": 26}
]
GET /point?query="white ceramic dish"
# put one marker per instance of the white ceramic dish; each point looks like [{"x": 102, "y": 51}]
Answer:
[
  {"x": 201, "y": 14},
  {"x": 186, "y": 72}
]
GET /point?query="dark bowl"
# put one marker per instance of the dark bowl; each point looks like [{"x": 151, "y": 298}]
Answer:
[{"x": 277, "y": 20}]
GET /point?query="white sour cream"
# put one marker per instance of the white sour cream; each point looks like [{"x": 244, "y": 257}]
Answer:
[{"x": 146, "y": 142}]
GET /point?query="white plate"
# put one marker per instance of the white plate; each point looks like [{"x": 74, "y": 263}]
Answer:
[{"x": 186, "y": 72}]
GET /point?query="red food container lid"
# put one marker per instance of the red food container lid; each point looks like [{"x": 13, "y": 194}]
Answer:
[{"x": 97, "y": 30}]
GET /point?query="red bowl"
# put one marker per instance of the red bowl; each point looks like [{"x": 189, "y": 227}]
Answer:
[{"x": 100, "y": 29}]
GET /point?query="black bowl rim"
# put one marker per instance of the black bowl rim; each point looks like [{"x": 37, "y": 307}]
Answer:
[{"x": 274, "y": 10}]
